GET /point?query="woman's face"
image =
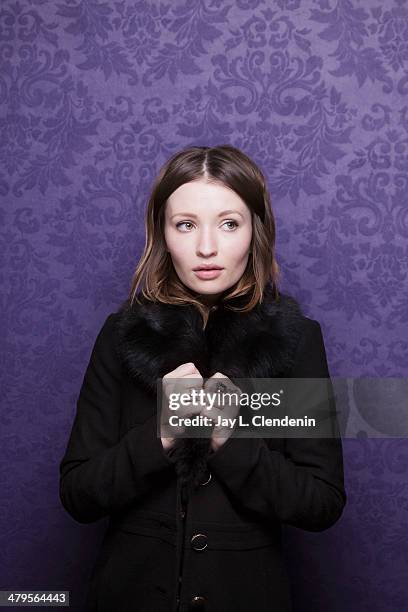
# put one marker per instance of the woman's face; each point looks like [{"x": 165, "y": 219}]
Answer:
[{"x": 208, "y": 224}]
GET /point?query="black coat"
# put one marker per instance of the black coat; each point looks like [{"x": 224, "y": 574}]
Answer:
[{"x": 216, "y": 545}]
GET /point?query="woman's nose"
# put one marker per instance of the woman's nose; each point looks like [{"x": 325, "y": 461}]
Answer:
[{"x": 206, "y": 244}]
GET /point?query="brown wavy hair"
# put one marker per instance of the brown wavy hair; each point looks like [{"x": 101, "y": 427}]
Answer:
[{"x": 155, "y": 273}]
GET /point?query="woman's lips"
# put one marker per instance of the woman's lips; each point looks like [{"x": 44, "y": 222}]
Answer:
[{"x": 207, "y": 274}]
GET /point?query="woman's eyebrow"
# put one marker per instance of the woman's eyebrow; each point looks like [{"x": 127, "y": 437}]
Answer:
[{"x": 224, "y": 212}]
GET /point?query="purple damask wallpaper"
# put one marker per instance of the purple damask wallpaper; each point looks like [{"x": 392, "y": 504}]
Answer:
[{"x": 94, "y": 97}]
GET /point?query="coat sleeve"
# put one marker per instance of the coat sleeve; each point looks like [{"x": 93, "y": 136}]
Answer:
[
  {"x": 100, "y": 473},
  {"x": 302, "y": 487}
]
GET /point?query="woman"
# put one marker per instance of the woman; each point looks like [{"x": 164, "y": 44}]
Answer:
[{"x": 195, "y": 522}]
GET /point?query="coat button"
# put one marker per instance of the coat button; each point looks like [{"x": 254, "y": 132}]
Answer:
[
  {"x": 199, "y": 541},
  {"x": 197, "y": 602},
  {"x": 207, "y": 478}
]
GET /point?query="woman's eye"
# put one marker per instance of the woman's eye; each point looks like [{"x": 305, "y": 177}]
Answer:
[
  {"x": 183, "y": 223},
  {"x": 234, "y": 222},
  {"x": 187, "y": 223}
]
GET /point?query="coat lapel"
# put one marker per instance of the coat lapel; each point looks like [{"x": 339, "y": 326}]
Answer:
[{"x": 155, "y": 338}]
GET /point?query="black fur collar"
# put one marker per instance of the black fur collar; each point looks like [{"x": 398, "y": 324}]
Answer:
[{"x": 154, "y": 338}]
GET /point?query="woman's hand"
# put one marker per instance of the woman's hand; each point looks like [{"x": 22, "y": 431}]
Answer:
[
  {"x": 181, "y": 380},
  {"x": 227, "y": 408}
]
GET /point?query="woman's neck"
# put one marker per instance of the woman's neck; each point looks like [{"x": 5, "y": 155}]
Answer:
[{"x": 210, "y": 300}]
